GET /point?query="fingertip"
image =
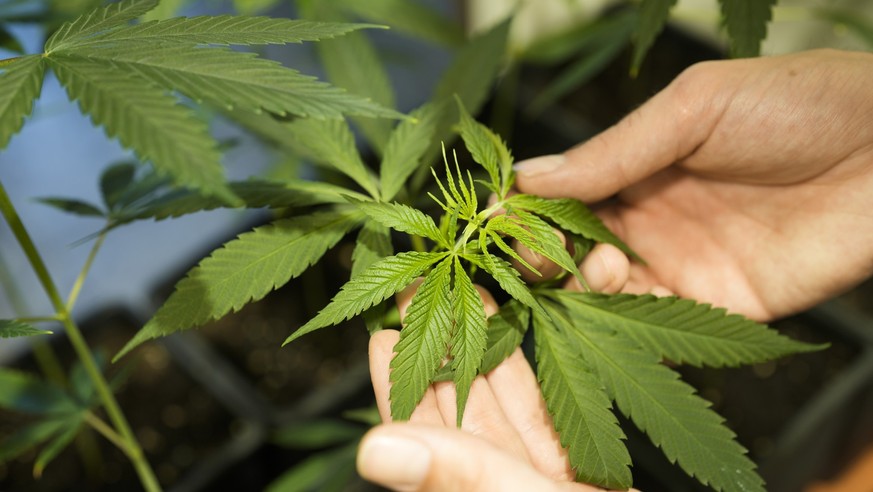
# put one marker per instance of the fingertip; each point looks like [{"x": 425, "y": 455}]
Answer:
[
  {"x": 491, "y": 307},
  {"x": 606, "y": 269}
]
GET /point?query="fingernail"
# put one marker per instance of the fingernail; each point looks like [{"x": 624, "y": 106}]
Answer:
[
  {"x": 539, "y": 165},
  {"x": 395, "y": 462}
]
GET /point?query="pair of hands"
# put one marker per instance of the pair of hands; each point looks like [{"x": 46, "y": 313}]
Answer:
[{"x": 745, "y": 184}]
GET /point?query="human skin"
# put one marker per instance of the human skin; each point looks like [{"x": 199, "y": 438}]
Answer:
[{"x": 745, "y": 183}]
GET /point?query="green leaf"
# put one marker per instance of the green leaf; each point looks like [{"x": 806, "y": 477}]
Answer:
[
  {"x": 469, "y": 336},
  {"x": 353, "y": 63},
  {"x": 506, "y": 331},
  {"x": 373, "y": 244},
  {"x": 224, "y": 30},
  {"x": 29, "y": 437},
  {"x": 661, "y": 405},
  {"x": 20, "y": 85},
  {"x": 682, "y": 330},
  {"x": 231, "y": 79},
  {"x": 72, "y": 206},
  {"x": 539, "y": 237},
  {"x": 608, "y": 40},
  {"x": 402, "y": 218},
  {"x": 244, "y": 270},
  {"x": 652, "y": 17},
  {"x": 101, "y": 19},
  {"x": 480, "y": 141},
  {"x": 407, "y": 146},
  {"x": 414, "y": 18},
  {"x": 580, "y": 408},
  {"x": 746, "y": 24},
  {"x": 579, "y": 39},
  {"x": 372, "y": 286},
  {"x": 423, "y": 341},
  {"x": 60, "y": 441},
  {"x": 253, "y": 193},
  {"x": 472, "y": 73},
  {"x": 8, "y": 41},
  {"x": 572, "y": 216},
  {"x": 165, "y": 10},
  {"x": 332, "y": 143},
  {"x": 23, "y": 392},
  {"x": 114, "y": 181},
  {"x": 329, "y": 471},
  {"x": 507, "y": 277},
  {"x": 314, "y": 434},
  {"x": 10, "y": 328},
  {"x": 147, "y": 120}
]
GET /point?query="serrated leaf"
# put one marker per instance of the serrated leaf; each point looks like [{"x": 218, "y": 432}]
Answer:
[
  {"x": 479, "y": 141},
  {"x": 468, "y": 336},
  {"x": 746, "y": 24},
  {"x": 414, "y": 18},
  {"x": 572, "y": 216},
  {"x": 539, "y": 237},
  {"x": 506, "y": 331},
  {"x": 332, "y": 143},
  {"x": 231, "y": 79},
  {"x": 407, "y": 146},
  {"x": 507, "y": 277},
  {"x": 253, "y": 193},
  {"x": 372, "y": 286},
  {"x": 423, "y": 341},
  {"x": 10, "y": 328},
  {"x": 147, "y": 120},
  {"x": 245, "y": 270},
  {"x": 29, "y": 437},
  {"x": 20, "y": 85},
  {"x": 666, "y": 409},
  {"x": 23, "y": 392},
  {"x": 373, "y": 244},
  {"x": 72, "y": 206},
  {"x": 165, "y": 10},
  {"x": 580, "y": 408},
  {"x": 58, "y": 443},
  {"x": 652, "y": 17},
  {"x": 402, "y": 218},
  {"x": 111, "y": 16},
  {"x": 682, "y": 330},
  {"x": 223, "y": 30},
  {"x": 353, "y": 63},
  {"x": 328, "y": 471}
]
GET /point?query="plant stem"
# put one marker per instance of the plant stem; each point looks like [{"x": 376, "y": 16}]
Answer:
[
  {"x": 80, "y": 280},
  {"x": 108, "y": 432},
  {"x": 133, "y": 450}
]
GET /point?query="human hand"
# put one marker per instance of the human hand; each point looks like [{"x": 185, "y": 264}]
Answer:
[
  {"x": 508, "y": 441},
  {"x": 745, "y": 183}
]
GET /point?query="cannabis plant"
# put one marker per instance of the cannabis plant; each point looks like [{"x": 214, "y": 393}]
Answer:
[{"x": 415, "y": 212}]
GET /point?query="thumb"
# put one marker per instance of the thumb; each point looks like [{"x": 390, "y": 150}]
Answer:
[
  {"x": 416, "y": 457},
  {"x": 667, "y": 128}
]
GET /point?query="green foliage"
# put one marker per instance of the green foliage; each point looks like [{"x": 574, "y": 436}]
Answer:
[
  {"x": 746, "y": 24},
  {"x": 246, "y": 269},
  {"x": 10, "y": 328},
  {"x": 469, "y": 335},
  {"x": 414, "y": 18},
  {"x": 21, "y": 81},
  {"x": 651, "y": 20},
  {"x": 407, "y": 146}
]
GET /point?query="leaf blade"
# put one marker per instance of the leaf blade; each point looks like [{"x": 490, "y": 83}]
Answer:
[
  {"x": 245, "y": 269},
  {"x": 110, "y": 16},
  {"x": 402, "y": 218},
  {"x": 746, "y": 24},
  {"x": 407, "y": 147},
  {"x": 468, "y": 338},
  {"x": 652, "y": 17},
  {"x": 21, "y": 84},
  {"x": 10, "y": 328}
]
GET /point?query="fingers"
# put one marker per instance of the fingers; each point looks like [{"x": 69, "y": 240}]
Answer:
[
  {"x": 408, "y": 457},
  {"x": 543, "y": 265},
  {"x": 517, "y": 392},
  {"x": 605, "y": 268},
  {"x": 667, "y": 128}
]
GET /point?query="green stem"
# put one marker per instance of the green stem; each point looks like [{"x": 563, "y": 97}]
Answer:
[
  {"x": 133, "y": 450},
  {"x": 108, "y": 432},
  {"x": 80, "y": 280}
]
